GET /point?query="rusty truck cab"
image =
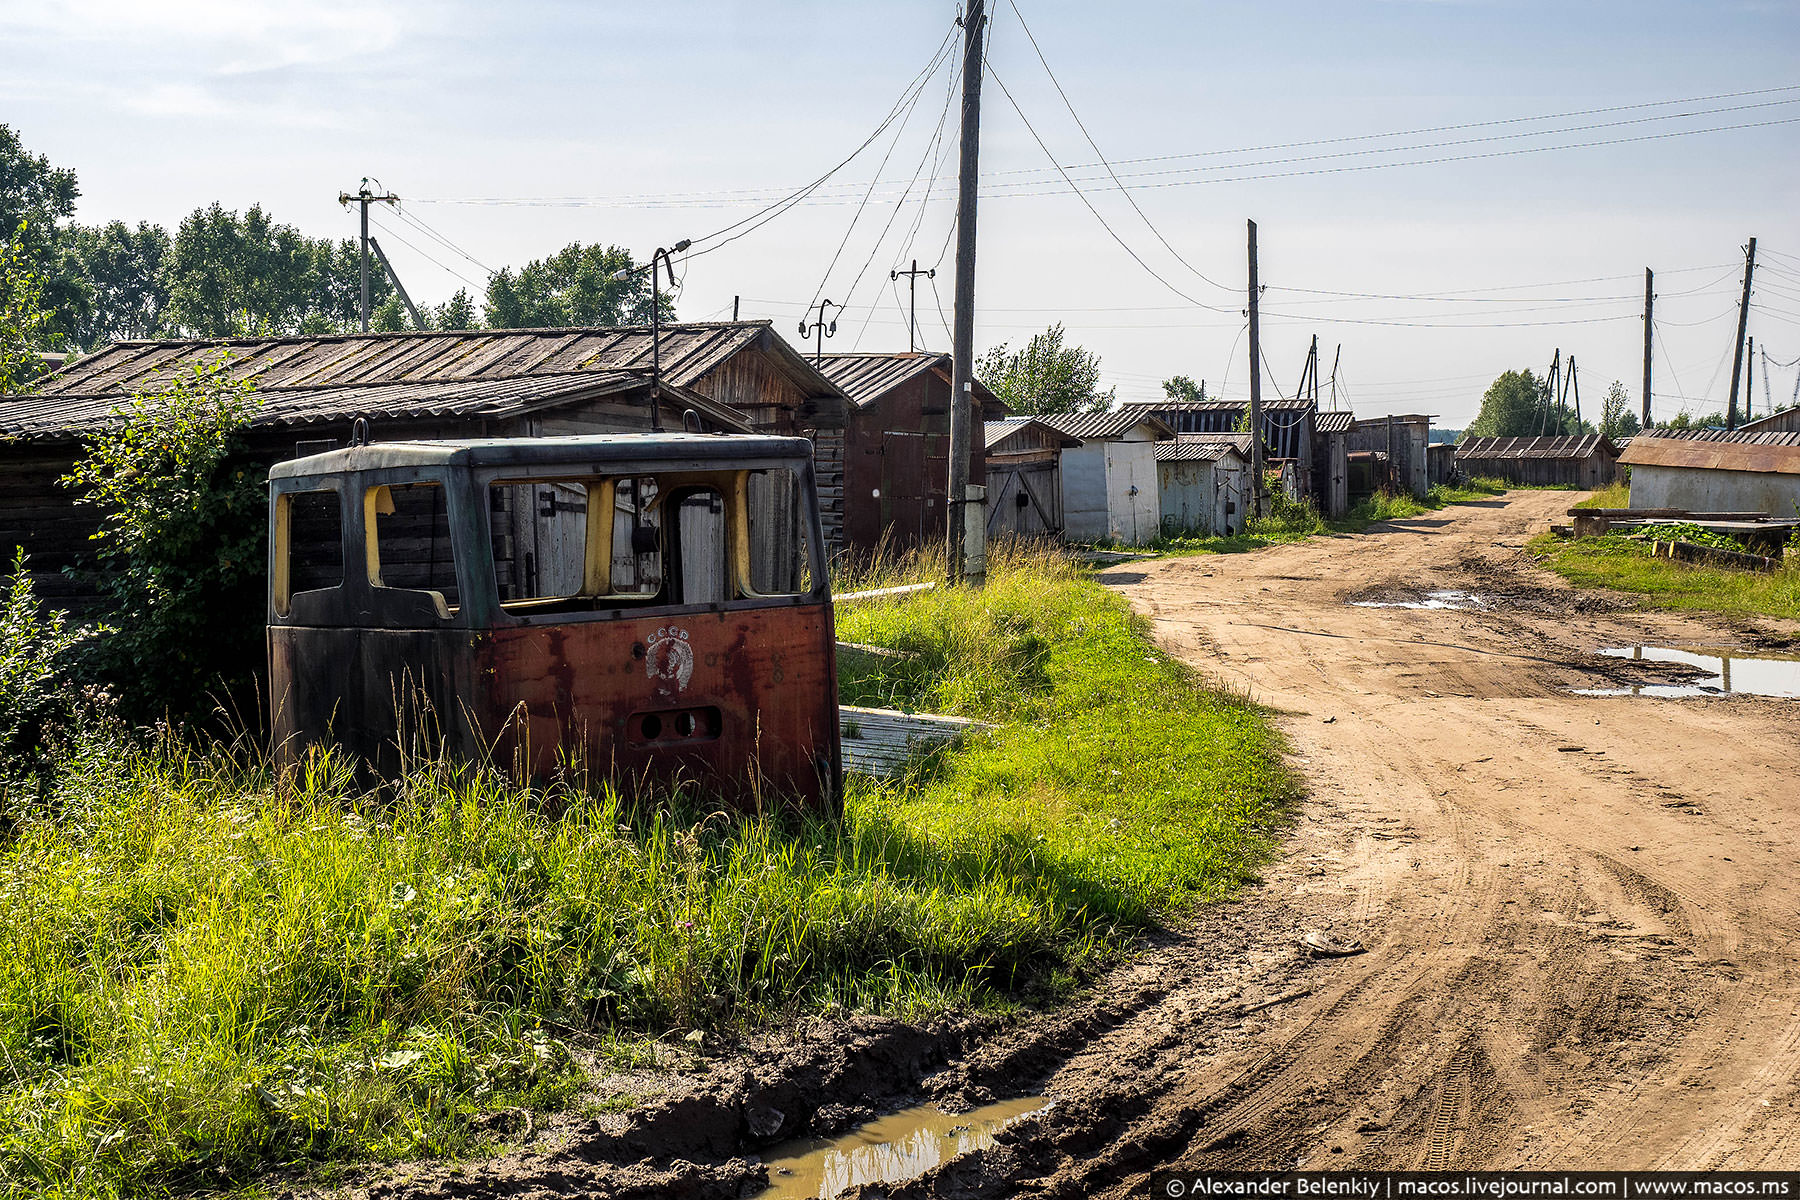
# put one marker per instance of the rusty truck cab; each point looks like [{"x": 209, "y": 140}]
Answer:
[{"x": 646, "y": 608}]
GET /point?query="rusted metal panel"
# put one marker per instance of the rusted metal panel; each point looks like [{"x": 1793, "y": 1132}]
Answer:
[
  {"x": 1756, "y": 457},
  {"x": 736, "y": 696}
]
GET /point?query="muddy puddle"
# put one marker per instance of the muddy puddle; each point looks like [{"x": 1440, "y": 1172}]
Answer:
[
  {"x": 892, "y": 1149},
  {"x": 1776, "y": 676},
  {"x": 1447, "y": 598}
]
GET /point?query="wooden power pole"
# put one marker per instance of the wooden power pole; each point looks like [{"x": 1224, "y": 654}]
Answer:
[
  {"x": 1737, "y": 353},
  {"x": 1256, "y": 436},
  {"x": 1649, "y": 335},
  {"x": 962, "y": 371},
  {"x": 364, "y": 197}
]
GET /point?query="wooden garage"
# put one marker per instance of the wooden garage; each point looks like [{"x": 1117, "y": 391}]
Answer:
[{"x": 1024, "y": 473}]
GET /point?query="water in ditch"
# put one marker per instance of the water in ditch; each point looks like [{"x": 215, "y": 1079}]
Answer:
[
  {"x": 891, "y": 1149},
  {"x": 1770, "y": 675}
]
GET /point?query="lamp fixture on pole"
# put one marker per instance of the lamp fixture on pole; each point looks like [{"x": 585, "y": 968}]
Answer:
[
  {"x": 662, "y": 256},
  {"x": 819, "y": 330}
]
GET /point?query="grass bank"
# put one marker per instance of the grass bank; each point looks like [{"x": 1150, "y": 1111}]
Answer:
[
  {"x": 1626, "y": 564},
  {"x": 205, "y": 975},
  {"x": 1294, "y": 522}
]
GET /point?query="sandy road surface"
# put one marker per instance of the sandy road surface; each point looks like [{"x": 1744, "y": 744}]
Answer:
[{"x": 1581, "y": 913}]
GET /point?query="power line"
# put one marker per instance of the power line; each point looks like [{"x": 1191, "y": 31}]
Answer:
[
  {"x": 1079, "y": 124},
  {"x": 429, "y": 231},
  {"x": 397, "y": 236},
  {"x": 1089, "y": 205}
]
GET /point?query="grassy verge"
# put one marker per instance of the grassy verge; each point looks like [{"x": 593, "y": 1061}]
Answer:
[
  {"x": 1291, "y": 522},
  {"x": 205, "y": 974},
  {"x": 1626, "y": 564},
  {"x": 1613, "y": 495}
]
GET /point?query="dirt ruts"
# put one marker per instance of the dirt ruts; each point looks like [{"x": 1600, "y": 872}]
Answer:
[{"x": 1579, "y": 915}]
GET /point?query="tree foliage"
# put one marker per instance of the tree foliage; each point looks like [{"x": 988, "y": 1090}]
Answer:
[
  {"x": 121, "y": 273},
  {"x": 1617, "y": 419},
  {"x": 25, "y": 319},
  {"x": 37, "y": 665},
  {"x": 1183, "y": 389},
  {"x": 229, "y": 275},
  {"x": 1519, "y": 404},
  {"x": 1045, "y": 377},
  {"x": 181, "y": 542},
  {"x": 574, "y": 286}
]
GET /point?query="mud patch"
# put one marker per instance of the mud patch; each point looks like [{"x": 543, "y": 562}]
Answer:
[
  {"x": 897, "y": 1148},
  {"x": 1452, "y": 599},
  {"x": 1709, "y": 675}
]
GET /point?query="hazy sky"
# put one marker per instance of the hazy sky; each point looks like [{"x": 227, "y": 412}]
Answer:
[{"x": 676, "y": 119}]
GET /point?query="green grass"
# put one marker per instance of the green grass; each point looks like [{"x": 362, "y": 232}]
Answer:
[
  {"x": 1295, "y": 522},
  {"x": 1613, "y": 495},
  {"x": 1627, "y": 565},
  {"x": 206, "y": 974}
]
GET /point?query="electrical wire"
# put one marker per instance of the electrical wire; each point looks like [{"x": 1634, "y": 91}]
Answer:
[
  {"x": 1101, "y": 155},
  {"x": 419, "y": 224},
  {"x": 1135, "y": 257},
  {"x": 401, "y": 238}
]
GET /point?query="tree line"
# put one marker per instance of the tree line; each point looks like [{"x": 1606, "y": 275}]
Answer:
[{"x": 225, "y": 273}]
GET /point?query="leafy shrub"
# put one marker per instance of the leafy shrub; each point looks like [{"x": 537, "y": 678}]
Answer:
[
  {"x": 182, "y": 544},
  {"x": 35, "y": 688},
  {"x": 1287, "y": 516}
]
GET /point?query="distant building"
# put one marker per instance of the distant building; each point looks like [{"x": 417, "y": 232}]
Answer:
[
  {"x": 1109, "y": 477},
  {"x": 1024, "y": 473},
  {"x": 1715, "y": 475},
  {"x": 1402, "y": 442},
  {"x": 1203, "y": 483},
  {"x": 897, "y": 444},
  {"x": 734, "y": 377},
  {"x": 1585, "y": 461}
]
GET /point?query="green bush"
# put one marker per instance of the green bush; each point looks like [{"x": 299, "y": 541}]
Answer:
[
  {"x": 182, "y": 543},
  {"x": 36, "y": 656}
]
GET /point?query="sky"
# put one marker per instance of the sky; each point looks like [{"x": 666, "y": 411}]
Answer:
[{"x": 1392, "y": 153}]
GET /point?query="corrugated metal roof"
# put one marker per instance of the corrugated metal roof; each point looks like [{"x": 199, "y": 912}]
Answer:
[
  {"x": 995, "y": 432},
  {"x": 1579, "y": 446},
  {"x": 412, "y": 374},
  {"x": 867, "y": 377},
  {"x": 1271, "y": 404},
  {"x": 1712, "y": 455},
  {"x": 35, "y": 416},
  {"x": 1203, "y": 447},
  {"x": 1746, "y": 435},
  {"x": 1334, "y": 422},
  {"x": 1105, "y": 425}
]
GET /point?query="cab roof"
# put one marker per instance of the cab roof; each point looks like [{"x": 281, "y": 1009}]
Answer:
[{"x": 586, "y": 450}]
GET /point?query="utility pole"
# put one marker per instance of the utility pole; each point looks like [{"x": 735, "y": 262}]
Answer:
[
  {"x": 734, "y": 308},
  {"x": 1750, "y": 379},
  {"x": 1335, "y": 359},
  {"x": 1312, "y": 361},
  {"x": 394, "y": 278},
  {"x": 364, "y": 197},
  {"x": 1575, "y": 382},
  {"x": 1256, "y": 436},
  {"x": 962, "y": 372},
  {"x": 1737, "y": 354},
  {"x": 912, "y": 288},
  {"x": 1649, "y": 334},
  {"x": 819, "y": 330},
  {"x": 1768, "y": 401}
]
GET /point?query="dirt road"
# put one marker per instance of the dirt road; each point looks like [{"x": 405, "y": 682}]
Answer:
[
  {"x": 1580, "y": 915},
  {"x": 1581, "y": 912}
]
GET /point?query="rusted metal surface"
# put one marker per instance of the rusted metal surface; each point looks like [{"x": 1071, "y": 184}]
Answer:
[
  {"x": 736, "y": 695},
  {"x": 1757, "y": 457}
]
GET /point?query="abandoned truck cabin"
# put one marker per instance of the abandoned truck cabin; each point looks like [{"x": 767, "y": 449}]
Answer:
[
  {"x": 1716, "y": 475},
  {"x": 1024, "y": 478},
  {"x": 896, "y": 445},
  {"x": 1202, "y": 481},
  {"x": 1109, "y": 480},
  {"x": 1581, "y": 461},
  {"x": 678, "y": 628},
  {"x": 519, "y": 383}
]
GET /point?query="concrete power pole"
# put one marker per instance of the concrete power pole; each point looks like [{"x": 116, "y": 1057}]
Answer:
[
  {"x": 364, "y": 197},
  {"x": 1649, "y": 335},
  {"x": 962, "y": 373},
  {"x": 1256, "y": 435},
  {"x": 1737, "y": 354}
]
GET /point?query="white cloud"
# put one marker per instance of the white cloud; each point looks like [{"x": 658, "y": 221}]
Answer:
[{"x": 220, "y": 36}]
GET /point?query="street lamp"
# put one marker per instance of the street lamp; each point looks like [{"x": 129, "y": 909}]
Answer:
[
  {"x": 819, "y": 330},
  {"x": 664, "y": 256}
]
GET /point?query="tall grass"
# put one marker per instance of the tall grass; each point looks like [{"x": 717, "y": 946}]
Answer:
[
  {"x": 206, "y": 972},
  {"x": 1627, "y": 564}
]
